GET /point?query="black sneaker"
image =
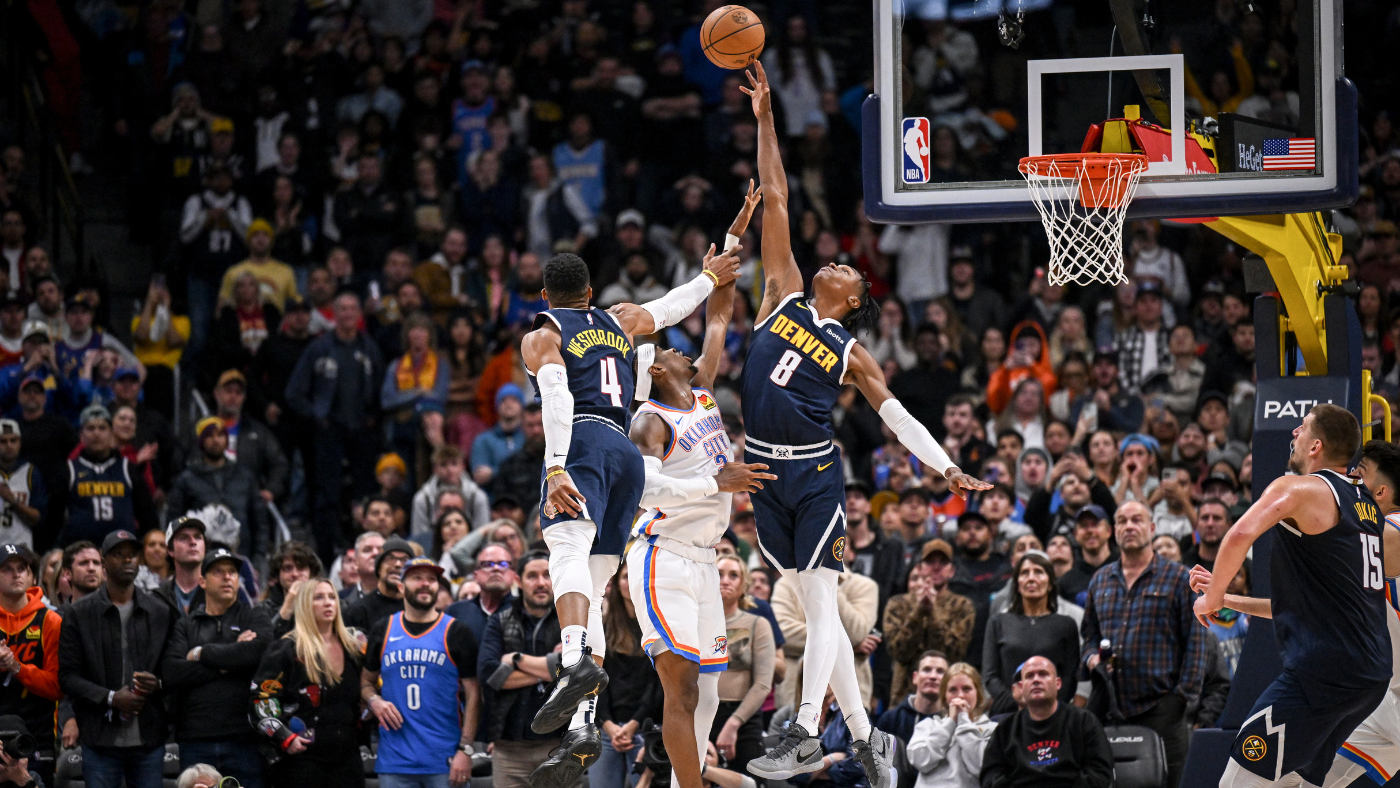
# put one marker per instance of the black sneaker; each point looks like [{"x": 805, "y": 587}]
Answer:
[
  {"x": 576, "y": 752},
  {"x": 573, "y": 684},
  {"x": 877, "y": 756},
  {"x": 798, "y": 753}
]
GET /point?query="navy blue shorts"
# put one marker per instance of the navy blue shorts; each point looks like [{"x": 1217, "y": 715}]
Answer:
[
  {"x": 608, "y": 471},
  {"x": 801, "y": 516},
  {"x": 1285, "y": 733}
]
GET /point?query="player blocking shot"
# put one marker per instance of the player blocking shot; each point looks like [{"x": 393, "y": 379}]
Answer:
[
  {"x": 580, "y": 358},
  {"x": 690, "y": 480},
  {"x": 1328, "y": 606},
  {"x": 801, "y": 354}
]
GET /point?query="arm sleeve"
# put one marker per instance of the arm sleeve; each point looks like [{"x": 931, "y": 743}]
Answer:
[
  {"x": 558, "y": 412},
  {"x": 1194, "y": 670},
  {"x": 972, "y": 742},
  {"x": 763, "y": 655},
  {"x": 677, "y": 305},
  {"x": 661, "y": 490},
  {"x": 914, "y": 436},
  {"x": 265, "y": 701}
]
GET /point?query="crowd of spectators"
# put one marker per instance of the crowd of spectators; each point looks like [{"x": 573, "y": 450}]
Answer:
[{"x": 349, "y": 205}]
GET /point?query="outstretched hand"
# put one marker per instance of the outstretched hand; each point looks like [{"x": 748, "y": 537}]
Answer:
[
  {"x": 725, "y": 265},
  {"x": 758, "y": 93},
  {"x": 751, "y": 201},
  {"x": 963, "y": 483}
]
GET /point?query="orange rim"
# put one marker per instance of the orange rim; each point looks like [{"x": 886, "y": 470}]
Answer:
[{"x": 1094, "y": 169}]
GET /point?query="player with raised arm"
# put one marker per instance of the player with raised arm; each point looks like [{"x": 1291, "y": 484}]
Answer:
[
  {"x": 1328, "y": 607},
  {"x": 800, "y": 355},
  {"x": 581, "y": 360},
  {"x": 691, "y": 478}
]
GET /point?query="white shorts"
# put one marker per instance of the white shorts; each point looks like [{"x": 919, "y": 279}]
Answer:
[
  {"x": 1375, "y": 744},
  {"x": 678, "y": 606}
]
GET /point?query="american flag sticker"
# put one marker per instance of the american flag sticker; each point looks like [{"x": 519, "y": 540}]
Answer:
[{"x": 1290, "y": 154}]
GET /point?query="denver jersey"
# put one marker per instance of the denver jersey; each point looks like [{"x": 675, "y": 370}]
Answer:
[
  {"x": 597, "y": 360},
  {"x": 792, "y": 376},
  {"x": 699, "y": 447},
  {"x": 99, "y": 499},
  {"x": 1329, "y": 596}
]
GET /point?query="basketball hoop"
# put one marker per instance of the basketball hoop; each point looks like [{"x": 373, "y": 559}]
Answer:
[{"x": 1082, "y": 199}]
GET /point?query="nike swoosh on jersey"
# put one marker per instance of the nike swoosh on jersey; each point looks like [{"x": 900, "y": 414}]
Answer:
[
  {"x": 821, "y": 468},
  {"x": 392, "y": 639}
]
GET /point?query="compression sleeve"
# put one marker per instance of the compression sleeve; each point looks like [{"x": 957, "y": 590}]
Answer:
[
  {"x": 659, "y": 490},
  {"x": 915, "y": 436},
  {"x": 676, "y": 305},
  {"x": 557, "y": 408}
]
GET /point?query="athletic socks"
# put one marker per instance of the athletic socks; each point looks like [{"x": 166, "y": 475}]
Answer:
[
  {"x": 584, "y": 715},
  {"x": 574, "y": 639}
]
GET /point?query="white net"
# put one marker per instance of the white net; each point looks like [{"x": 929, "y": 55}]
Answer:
[{"x": 1082, "y": 202}]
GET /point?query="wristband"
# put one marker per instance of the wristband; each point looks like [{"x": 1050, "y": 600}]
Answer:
[
  {"x": 730, "y": 241},
  {"x": 711, "y": 274},
  {"x": 110, "y": 695},
  {"x": 553, "y": 473},
  {"x": 287, "y": 742}
]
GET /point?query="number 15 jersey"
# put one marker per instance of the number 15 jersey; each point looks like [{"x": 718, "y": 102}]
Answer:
[{"x": 792, "y": 375}]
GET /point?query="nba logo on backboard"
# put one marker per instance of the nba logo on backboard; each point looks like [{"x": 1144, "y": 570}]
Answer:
[{"x": 914, "y": 135}]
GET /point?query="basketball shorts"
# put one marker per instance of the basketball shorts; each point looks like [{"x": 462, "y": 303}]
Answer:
[
  {"x": 678, "y": 603},
  {"x": 801, "y": 515},
  {"x": 1285, "y": 733},
  {"x": 1375, "y": 744},
  {"x": 608, "y": 471}
]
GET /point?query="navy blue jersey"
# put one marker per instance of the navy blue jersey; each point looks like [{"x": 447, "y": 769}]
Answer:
[
  {"x": 1329, "y": 596},
  {"x": 792, "y": 375},
  {"x": 597, "y": 359},
  {"x": 99, "y": 499}
]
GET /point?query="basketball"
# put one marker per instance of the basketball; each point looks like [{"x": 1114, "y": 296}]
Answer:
[{"x": 732, "y": 36}]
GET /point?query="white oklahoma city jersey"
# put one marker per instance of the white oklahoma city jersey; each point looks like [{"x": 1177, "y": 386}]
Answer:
[
  {"x": 1392, "y": 595},
  {"x": 699, "y": 447}
]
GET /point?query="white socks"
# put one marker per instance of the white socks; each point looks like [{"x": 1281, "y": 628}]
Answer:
[
  {"x": 574, "y": 641},
  {"x": 584, "y": 715},
  {"x": 828, "y": 657}
]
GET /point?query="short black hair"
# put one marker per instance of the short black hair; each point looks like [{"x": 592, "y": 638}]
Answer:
[
  {"x": 1192, "y": 471},
  {"x": 566, "y": 277},
  {"x": 1386, "y": 457},
  {"x": 71, "y": 552},
  {"x": 864, "y": 317},
  {"x": 529, "y": 558}
]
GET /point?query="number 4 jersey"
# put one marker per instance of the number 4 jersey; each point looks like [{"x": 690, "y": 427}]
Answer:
[
  {"x": 1329, "y": 597},
  {"x": 792, "y": 376},
  {"x": 597, "y": 359}
]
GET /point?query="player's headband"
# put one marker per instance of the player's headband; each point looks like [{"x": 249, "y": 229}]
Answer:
[{"x": 646, "y": 356}]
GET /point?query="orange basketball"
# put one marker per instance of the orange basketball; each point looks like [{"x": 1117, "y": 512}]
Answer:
[{"x": 732, "y": 36}]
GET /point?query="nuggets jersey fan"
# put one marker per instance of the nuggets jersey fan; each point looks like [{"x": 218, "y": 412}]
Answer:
[{"x": 99, "y": 498}]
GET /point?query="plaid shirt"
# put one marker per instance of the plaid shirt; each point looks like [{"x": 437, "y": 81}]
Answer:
[
  {"x": 1158, "y": 646},
  {"x": 1131, "y": 344}
]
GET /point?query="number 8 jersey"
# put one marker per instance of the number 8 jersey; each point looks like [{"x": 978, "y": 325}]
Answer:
[
  {"x": 792, "y": 375},
  {"x": 597, "y": 359}
]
